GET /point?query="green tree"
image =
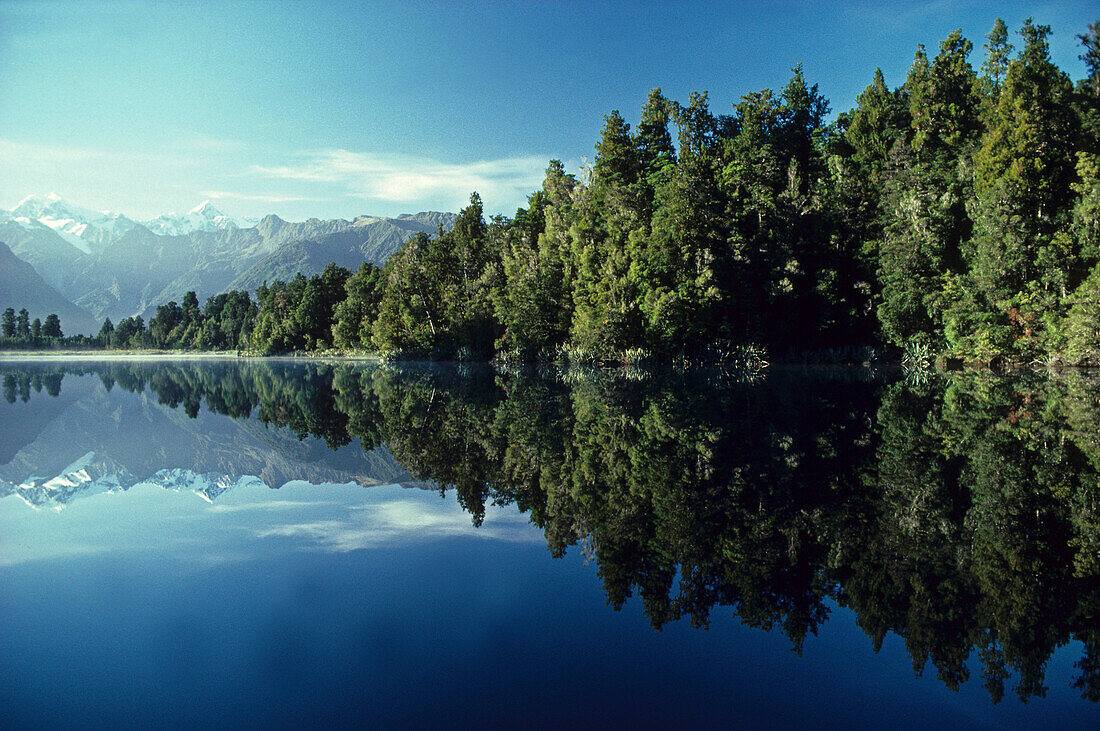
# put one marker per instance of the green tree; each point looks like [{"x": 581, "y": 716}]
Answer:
[
  {"x": 7, "y": 323},
  {"x": 1088, "y": 90},
  {"x": 355, "y": 315},
  {"x": 674, "y": 267},
  {"x": 438, "y": 297},
  {"x": 23, "y": 325},
  {"x": 928, "y": 223},
  {"x": 534, "y": 303},
  {"x": 411, "y": 312},
  {"x": 1023, "y": 175},
  {"x": 165, "y": 324},
  {"x": 878, "y": 121},
  {"x": 52, "y": 327},
  {"x": 130, "y": 333},
  {"x": 995, "y": 67},
  {"x": 106, "y": 333},
  {"x": 607, "y": 211}
]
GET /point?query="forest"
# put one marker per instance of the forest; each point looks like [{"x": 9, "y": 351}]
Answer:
[{"x": 955, "y": 216}]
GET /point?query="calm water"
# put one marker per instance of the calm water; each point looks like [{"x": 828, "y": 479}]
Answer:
[{"x": 265, "y": 543}]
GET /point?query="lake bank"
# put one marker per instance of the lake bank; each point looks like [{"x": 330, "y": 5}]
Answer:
[{"x": 105, "y": 355}]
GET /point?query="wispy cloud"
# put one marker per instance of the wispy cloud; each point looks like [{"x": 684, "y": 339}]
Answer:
[
  {"x": 409, "y": 520},
  {"x": 302, "y": 518},
  {"x": 149, "y": 182},
  {"x": 256, "y": 197},
  {"x": 409, "y": 179},
  {"x": 264, "y": 506}
]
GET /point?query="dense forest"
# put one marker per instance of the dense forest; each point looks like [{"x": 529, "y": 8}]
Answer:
[
  {"x": 959, "y": 513},
  {"x": 955, "y": 215}
]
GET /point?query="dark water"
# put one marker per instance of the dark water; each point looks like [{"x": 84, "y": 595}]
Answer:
[{"x": 233, "y": 544}]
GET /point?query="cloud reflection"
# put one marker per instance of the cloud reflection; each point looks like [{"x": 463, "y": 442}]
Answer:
[{"x": 245, "y": 523}]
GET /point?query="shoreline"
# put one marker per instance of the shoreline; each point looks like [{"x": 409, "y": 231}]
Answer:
[{"x": 102, "y": 355}]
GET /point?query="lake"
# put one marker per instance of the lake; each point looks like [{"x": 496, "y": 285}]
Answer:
[{"x": 280, "y": 543}]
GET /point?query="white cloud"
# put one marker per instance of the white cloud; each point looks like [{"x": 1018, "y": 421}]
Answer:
[
  {"x": 301, "y": 517},
  {"x": 329, "y": 182},
  {"x": 264, "y": 506},
  {"x": 401, "y": 520},
  {"x": 255, "y": 197},
  {"x": 409, "y": 179}
]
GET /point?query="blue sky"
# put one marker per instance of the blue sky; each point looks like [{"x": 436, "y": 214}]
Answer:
[{"x": 340, "y": 109}]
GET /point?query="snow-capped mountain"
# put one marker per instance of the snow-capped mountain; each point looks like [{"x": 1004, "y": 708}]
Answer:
[
  {"x": 88, "y": 230},
  {"x": 93, "y": 475},
  {"x": 85, "y": 229},
  {"x": 203, "y": 217},
  {"x": 113, "y": 266}
]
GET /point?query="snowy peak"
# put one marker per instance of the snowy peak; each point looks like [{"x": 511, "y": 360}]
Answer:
[
  {"x": 90, "y": 230},
  {"x": 95, "y": 475},
  {"x": 85, "y": 229},
  {"x": 203, "y": 217},
  {"x": 51, "y": 205},
  {"x": 205, "y": 209},
  {"x": 35, "y": 206}
]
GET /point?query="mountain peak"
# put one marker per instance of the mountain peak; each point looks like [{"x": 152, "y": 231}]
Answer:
[
  {"x": 34, "y": 205},
  {"x": 40, "y": 198},
  {"x": 206, "y": 209},
  {"x": 203, "y": 217}
]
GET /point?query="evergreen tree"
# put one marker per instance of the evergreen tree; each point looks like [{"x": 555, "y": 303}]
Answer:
[
  {"x": 534, "y": 302},
  {"x": 1091, "y": 57},
  {"x": 23, "y": 325},
  {"x": 1023, "y": 174},
  {"x": 165, "y": 326},
  {"x": 674, "y": 267},
  {"x": 1088, "y": 90},
  {"x": 751, "y": 176},
  {"x": 656, "y": 156},
  {"x": 52, "y": 327},
  {"x": 7, "y": 323},
  {"x": 106, "y": 333},
  {"x": 927, "y": 221},
  {"x": 877, "y": 123},
  {"x": 995, "y": 67}
]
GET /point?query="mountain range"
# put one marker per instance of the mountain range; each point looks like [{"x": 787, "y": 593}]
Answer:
[
  {"x": 106, "y": 264},
  {"x": 89, "y": 440}
]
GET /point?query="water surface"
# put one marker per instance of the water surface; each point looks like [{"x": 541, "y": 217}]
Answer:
[{"x": 244, "y": 543}]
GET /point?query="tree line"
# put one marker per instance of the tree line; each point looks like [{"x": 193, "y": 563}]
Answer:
[
  {"x": 957, "y": 214},
  {"x": 19, "y": 330}
]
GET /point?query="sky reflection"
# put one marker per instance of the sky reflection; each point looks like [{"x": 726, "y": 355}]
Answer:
[{"x": 245, "y": 522}]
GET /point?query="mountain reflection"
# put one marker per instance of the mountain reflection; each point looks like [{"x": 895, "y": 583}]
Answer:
[{"x": 962, "y": 515}]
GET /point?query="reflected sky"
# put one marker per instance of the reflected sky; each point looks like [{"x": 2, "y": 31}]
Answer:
[
  {"x": 151, "y": 577},
  {"x": 246, "y": 521}
]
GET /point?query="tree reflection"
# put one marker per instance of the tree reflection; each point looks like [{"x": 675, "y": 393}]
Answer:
[{"x": 962, "y": 515}]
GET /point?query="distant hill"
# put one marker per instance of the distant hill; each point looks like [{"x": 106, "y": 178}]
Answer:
[
  {"x": 367, "y": 238},
  {"x": 53, "y": 257},
  {"x": 21, "y": 286},
  {"x": 113, "y": 266}
]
